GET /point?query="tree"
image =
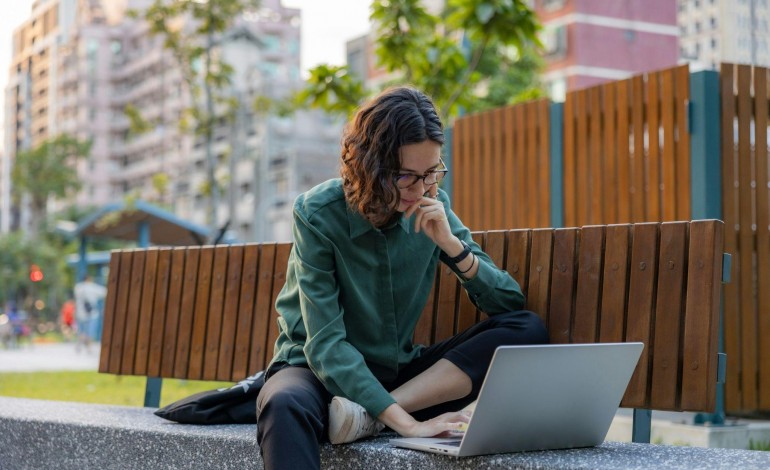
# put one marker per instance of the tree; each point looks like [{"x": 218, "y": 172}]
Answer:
[
  {"x": 463, "y": 54},
  {"x": 48, "y": 170},
  {"x": 190, "y": 29}
]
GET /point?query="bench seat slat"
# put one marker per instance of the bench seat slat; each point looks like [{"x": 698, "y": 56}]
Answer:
[
  {"x": 121, "y": 310},
  {"x": 173, "y": 307},
  {"x": 669, "y": 308},
  {"x": 562, "y": 285},
  {"x": 144, "y": 327},
  {"x": 159, "y": 307},
  {"x": 614, "y": 284},
  {"x": 230, "y": 312},
  {"x": 258, "y": 356},
  {"x": 109, "y": 312},
  {"x": 446, "y": 306},
  {"x": 246, "y": 318},
  {"x": 282, "y": 251},
  {"x": 588, "y": 292},
  {"x": 186, "y": 311},
  {"x": 200, "y": 313},
  {"x": 132, "y": 317},
  {"x": 539, "y": 278},
  {"x": 641, "y": 295},
  {"x": 215, "y": 312}
]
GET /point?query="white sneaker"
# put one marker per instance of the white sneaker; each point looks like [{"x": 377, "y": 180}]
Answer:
[{"x": 349, "y": 421}]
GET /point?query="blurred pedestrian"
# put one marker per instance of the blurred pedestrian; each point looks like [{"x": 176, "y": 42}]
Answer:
[
  {"x": 67, "y": 319},
  {"x": 88, "y": 295}
]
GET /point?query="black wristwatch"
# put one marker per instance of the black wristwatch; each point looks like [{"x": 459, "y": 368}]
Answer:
[{"x": 463, "y": 254}]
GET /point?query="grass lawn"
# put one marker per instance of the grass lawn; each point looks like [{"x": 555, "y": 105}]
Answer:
[{"x": 93, "y": 387}]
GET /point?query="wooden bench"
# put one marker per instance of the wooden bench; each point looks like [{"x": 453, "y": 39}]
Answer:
[{"x": 207, "y": 313}]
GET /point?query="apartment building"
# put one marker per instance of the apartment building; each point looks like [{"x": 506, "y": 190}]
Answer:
[
  {"x": 103, "y": 61},
  {"x": 715, "y": 31},
  {"x": 588, "y": 42}
]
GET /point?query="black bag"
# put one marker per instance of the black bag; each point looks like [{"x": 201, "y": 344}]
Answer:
[
  {"x": 89, "y": 308},
  {"x": 234, "y": 405}
]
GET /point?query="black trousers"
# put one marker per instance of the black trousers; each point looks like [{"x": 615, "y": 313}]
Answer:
[{"x": 292, "y": 408}]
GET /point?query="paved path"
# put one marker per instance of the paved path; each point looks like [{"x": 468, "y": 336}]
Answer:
[{"x": 48, "y": 357}]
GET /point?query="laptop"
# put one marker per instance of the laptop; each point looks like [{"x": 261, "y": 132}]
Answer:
[{"x": 542, "y": 397}]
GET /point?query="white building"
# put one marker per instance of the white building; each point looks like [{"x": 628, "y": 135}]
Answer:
[{"x": 714, "y": 31}]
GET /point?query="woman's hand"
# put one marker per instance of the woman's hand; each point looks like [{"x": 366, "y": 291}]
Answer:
[
  {"x": 431, "y": 218},
  {"x": 403, "y": 423}
]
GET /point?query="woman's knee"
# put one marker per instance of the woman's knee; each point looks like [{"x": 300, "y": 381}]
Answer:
[{"x": 526, "y": 326}]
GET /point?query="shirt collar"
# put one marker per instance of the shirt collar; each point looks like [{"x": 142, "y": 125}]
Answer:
[{"x": 359, "y": 225}]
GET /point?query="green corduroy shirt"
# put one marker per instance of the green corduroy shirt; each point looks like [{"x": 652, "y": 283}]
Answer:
[{"x": 354, "y": 294}]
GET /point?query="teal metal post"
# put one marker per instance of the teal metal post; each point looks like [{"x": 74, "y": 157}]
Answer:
[
  {"x": 82, "y": 268},
  {"x": 705, "y": 180},
  {"x": 556, "y": 151}
]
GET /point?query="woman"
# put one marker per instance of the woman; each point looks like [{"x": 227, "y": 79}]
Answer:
[{"x": 363, "y": 262}]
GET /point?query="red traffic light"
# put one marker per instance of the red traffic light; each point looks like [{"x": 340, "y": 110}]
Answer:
[{"x": 35, "y": 274}]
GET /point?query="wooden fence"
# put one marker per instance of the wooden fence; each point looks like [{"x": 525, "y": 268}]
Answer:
[
  {"x": 625, "y": 156},
  {"x": 745, "y": 194}
]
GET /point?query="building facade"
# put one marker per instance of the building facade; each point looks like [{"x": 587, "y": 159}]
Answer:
[
  {"x": 715, "y": 31},
  {"x": 588, "y": 42},
  {"x": 100, "y": 62}
]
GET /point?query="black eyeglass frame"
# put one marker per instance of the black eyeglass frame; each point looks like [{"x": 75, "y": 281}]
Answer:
[{"x": 417, "y": 177}]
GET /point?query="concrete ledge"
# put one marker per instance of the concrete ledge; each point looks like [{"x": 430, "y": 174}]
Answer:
[{"x": 63, "y": 435}]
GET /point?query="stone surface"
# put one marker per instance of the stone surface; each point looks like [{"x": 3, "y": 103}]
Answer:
[{"x": 45, "y": 434}]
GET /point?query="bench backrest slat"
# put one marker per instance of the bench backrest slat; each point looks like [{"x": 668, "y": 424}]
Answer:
[{"x": 209, "y": 312}]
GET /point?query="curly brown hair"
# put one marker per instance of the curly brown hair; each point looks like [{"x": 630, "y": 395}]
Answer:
[{"x": 371, "y": 147}]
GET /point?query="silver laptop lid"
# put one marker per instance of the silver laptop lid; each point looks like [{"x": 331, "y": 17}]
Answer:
[{"x": 550, "y": 397}]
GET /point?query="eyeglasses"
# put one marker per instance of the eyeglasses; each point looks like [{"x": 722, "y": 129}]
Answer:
[{"x": 406, "y": 180}]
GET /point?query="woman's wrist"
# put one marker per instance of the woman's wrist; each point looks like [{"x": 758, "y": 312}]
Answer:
[{"x": 397, "y": 419}]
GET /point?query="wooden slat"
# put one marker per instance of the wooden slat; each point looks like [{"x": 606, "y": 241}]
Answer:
[
  {"x": 512, "y": 209},
  {"x": 544, "y": 165},
  {"x": 639, "y": 314},
  {"x": 570, "y": 161},
  {"x": 682, "y": 94},
  {"x": 186, "y": 312},
  {"x": 522, "y": 190},
  {"x": 610, "y": 175},
  {"x": 230, "y": 314},
  {"x": 260, "y": 353},
  {"x": 517, "y": 262},
  {"x": 132, "y": 315},
  {"x": 614, "y": 284},
  {"x": 588, "y": 291},
  {"x": 761, "y": 100},
  {"x": 466, "y": 311},
  {"x": 201, "y": 312},
  {"x": 500, "y": 204},
  {"x": 171, "y": 330},
  {"x": 146, "y": 312},
  {"x": 160, "y": 312},
  {"x": 563, "y": 279},
  {"x": 623, "y": 133},
  {"x": 109, "y": 312},
  {"x": 121, "y": 309},
  {"x": 423, "y": 331},
  {"x": 748, "y": 323},
  {"x": 582, "y": 175},
  {"x": 215, "y": 313},
  {"x": 654, "y": 209},
  {"x": 477, "y": 206},
  {"x": 669, "y": 171},
  {"x": 445, "y": 305},
  {"x": 701, "y": 322},
  {"x": 533, "y": 168},
  {"x": 595, "y": 157},
  {"x": 494, "y": 246},
  {"x": 487, "y": 169},
  {"x": 538, "y": 290},
  {"x": 669, "y": 308},
  {"x": 279, "y": 279},
  {"x": 246, "y": 313},
  {"x": 636, "y": 187},
  {"x": 730, "y": 216}
]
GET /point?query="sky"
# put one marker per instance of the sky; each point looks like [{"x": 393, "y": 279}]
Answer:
[{"x": 326, "y": 26}]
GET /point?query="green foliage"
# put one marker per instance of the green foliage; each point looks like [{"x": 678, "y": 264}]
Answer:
[
  {"x": 759, "y": 445},
  {"x": 48, "y": 170},
  {"x": 138, "y": 125},
  {"x": 461, "y": 58},
  {"x": 92, "y": 387}
]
